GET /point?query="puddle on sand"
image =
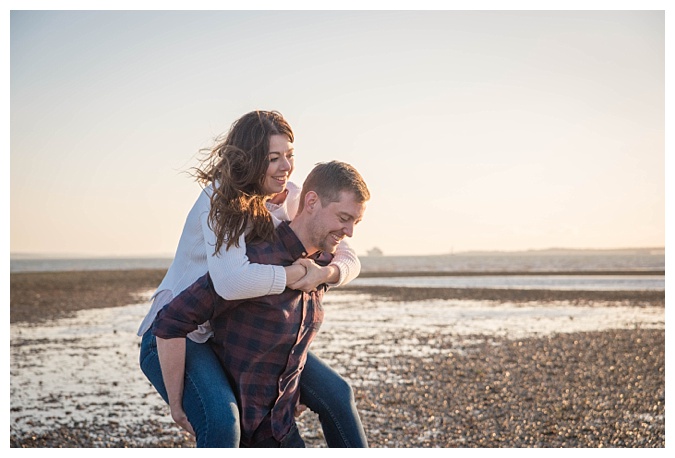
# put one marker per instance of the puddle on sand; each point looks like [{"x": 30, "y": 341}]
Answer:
[
  {"x": 81, "y": 368},
  {"x": 86, "y": 367}
]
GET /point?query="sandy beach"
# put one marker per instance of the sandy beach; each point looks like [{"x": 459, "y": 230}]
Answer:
[{"x": 430, "y": 367}]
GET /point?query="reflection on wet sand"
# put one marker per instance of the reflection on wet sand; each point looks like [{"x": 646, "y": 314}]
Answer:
[{"x": 81, "y": 373}]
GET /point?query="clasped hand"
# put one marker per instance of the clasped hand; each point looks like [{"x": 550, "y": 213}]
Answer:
[{"x": 315, "y": 276}]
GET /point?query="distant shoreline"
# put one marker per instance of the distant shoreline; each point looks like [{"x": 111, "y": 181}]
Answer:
[
  {"x": 20, "y": 256},
  {"x": 624, "y": 262}
]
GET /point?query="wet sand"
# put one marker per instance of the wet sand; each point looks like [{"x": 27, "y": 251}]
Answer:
[
  {"x": 568, "y": 389},
  {"x": 39, "y": 296}
]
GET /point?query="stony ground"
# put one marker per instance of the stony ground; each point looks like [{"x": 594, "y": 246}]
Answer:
[{"x": 592, "y": 389}]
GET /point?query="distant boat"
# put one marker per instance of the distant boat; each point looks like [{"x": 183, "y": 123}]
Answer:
[{"x": 375, "y": 252}]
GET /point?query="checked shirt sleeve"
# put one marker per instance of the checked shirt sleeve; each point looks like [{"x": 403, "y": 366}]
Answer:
[{"x": 193, "y": 306}]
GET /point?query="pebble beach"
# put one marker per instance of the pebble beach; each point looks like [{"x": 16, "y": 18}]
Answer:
[{"x": 430, "y": 367}]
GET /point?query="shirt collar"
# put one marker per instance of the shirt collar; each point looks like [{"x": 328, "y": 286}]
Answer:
[{"x": 292, "y": 243}]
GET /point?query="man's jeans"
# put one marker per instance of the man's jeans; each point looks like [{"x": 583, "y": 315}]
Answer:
[{"x": 211, "y": 407}]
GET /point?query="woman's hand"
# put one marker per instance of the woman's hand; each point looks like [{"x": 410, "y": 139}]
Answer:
[
  {"x": 315, "y": 276},
  {"x": 179, "y": 416},
  {"x": 299, "y": 409}
]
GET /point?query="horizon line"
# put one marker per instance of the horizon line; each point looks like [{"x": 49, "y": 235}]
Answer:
[{"x": 21, "y": 255}]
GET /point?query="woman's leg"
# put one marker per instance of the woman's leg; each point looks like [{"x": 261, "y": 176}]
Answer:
[
  {"x": 326, "y": 393},
  {"x": 208, "y": 399}
]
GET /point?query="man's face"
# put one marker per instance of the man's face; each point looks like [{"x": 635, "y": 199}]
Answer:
[{"x": 330, "y": 224}]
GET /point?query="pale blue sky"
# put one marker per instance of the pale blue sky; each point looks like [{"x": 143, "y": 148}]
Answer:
[{"x": 474, "y": 129}]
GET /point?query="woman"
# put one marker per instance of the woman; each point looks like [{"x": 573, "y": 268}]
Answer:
[{"x": 246, "y": 193}]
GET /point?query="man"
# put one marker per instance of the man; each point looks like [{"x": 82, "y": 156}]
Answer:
[{"x": 262, "y": 343}]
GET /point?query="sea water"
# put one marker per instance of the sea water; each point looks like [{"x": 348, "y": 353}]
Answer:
[
  {"x": 548, "y": 282},
  {"x": 448, "y": 267}
]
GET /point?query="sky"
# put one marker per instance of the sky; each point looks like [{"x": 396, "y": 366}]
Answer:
[{"x": 474, "y": 130}]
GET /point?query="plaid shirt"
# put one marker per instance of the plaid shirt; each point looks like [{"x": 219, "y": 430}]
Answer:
[{"x": 262, "y": 342}]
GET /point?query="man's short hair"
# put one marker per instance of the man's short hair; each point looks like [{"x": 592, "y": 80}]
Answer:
[{"x": 329, "y": 179}]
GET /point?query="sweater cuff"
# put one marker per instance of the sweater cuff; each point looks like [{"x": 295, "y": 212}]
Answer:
[
  {"x": 344, "y": 272},
  {"x": 279, "y": 282}
]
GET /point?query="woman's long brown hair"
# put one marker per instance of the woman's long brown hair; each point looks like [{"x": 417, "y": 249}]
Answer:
[{"x": 236, "y": 168}]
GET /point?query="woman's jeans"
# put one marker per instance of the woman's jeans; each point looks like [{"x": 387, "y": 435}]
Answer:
[{"x": 211, "y": 407}]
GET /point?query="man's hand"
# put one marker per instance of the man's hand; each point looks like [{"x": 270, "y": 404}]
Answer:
[
  {"x": 315, "y": 276},
  {"x": 178, "y": 415}
]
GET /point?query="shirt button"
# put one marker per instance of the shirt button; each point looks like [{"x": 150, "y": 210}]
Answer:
[{"x": 304, "y": 255}]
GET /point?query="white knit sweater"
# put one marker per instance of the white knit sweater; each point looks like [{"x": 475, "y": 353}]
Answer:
[{"x": 234, "y": 277}]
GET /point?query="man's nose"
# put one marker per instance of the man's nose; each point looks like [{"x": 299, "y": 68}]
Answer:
[{"x": 348, "y": 230}]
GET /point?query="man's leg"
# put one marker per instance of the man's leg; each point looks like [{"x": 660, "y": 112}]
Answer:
[
  {"x": 326, "y": 393},
  {"x": 208, "y": 399}
]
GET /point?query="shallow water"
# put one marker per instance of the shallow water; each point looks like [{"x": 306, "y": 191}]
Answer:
[
  {"x": 504, "y": 262},
  {"x": 82, "y": 368},
  {"x": 361, "y": 330},
  {"x": 549, "y": 282},
  {"x": 86, "y": 367}
]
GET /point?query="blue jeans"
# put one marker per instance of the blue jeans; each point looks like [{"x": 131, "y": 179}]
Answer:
[{"x": 211, "y": 407}]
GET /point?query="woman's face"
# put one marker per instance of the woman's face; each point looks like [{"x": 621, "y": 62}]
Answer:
[{"x": 281, "y": 164}]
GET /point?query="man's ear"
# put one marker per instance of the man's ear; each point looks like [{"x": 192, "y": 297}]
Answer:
[{"x": 311, "y": 201}]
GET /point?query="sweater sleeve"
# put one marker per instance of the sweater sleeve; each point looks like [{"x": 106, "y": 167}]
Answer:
[
  {"x": 346, "y": 260},
  {"x": 233, "y": 275}
]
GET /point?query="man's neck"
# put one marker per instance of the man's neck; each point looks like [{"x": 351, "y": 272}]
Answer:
[{"x": 300, "y": 228}]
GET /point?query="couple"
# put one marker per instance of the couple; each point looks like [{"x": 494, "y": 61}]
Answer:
[{"x": 246, "y": 287}]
